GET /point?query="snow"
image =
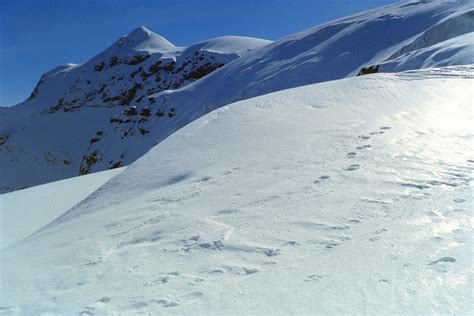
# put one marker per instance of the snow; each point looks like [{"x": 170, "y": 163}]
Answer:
[
  {"x": 454, "y": 51},
  {"x": 152, "y": 42},
  {"x": 230, "y": 44},
  {"x": 60, "y": 69},
  {"x": 346, "y": 197},
  {"x": 458, "y": 23},
  {"x": 140, "y": 39},
  {"x": 24, "y": 212},
  {"x": 336, "y": 50}
]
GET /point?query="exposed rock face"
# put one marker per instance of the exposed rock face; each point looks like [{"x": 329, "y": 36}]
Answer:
[{"x": 368, "y": 70}]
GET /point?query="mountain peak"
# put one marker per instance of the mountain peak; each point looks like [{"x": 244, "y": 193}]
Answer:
[
  {"x": 142, "y": 38},
  {"x": 140, "y": 32}
]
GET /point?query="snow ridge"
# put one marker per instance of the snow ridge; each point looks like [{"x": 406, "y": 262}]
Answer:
[{"x": 362, "y": 184}]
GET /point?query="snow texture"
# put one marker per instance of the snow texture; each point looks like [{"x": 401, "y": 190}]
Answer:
[
  {"x": 24, "y": 212},
  {"x": 346, "y": 197}
]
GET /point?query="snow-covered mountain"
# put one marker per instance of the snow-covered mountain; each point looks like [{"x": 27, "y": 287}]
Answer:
[
  {"x": 73, "y": 106},
  {"x": 345, "y": 197},
  {"x": 404, "y": 36},
  {"x": 127, "y": 115}
]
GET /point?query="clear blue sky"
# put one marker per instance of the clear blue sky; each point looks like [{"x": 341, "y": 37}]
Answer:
[{"x": 37, "y": 35}]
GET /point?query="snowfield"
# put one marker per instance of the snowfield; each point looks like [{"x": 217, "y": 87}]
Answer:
[
  {"x": 451, "y": 52},
  {"x": 346, "y": 197},
  {"x": 24, "y": 212}
]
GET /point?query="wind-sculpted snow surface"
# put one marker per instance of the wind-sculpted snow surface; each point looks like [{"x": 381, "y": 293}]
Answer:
[
  {"x": 454, "y": 51},
  {"x": 23, "y": 212},
  {"x": 339, "y": 49},
  {"x": 347, "y": 197}
]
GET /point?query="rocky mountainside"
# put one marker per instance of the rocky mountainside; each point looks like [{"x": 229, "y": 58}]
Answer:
[
  {"x": 48, "y": 136},
  {"x": 51, "y": 136}
]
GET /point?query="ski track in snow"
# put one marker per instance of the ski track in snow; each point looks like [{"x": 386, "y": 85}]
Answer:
[{"x": 370, "y": 212}]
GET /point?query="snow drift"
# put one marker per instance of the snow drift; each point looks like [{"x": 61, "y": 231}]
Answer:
[
  {"x": 25, "y": 211},
  {"x": 351, "y": 196}
]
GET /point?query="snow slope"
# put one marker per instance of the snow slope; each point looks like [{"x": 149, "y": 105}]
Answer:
[
  {"x": 229, "y": 44},
  {"x": 48, "y": 136},
  {"x": 335, "y": 50},
  {"x": 454, "y": 51},
  {"x": 347, "y": 197},
  {"x": 24, "y": 212}
]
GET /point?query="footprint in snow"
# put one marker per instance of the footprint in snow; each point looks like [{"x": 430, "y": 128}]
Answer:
[
  {"x": 165, "y": 303},
  {"x": 353, "y": 167},
  {"x": 363, "y": 147},
  {"x": 440, "y": 264},
  {"x": 351, "y": 154},
  {"x": 104, "y": 299},
  {"x": 414, "y": 185},
  {"x": 204, "y": 179},
  {"x": 385, "y": 127},
  {"x": 313, "y": 277},
  {"x": 236, "y": 270},
  {"x": 227, "y": 211},
  {"x": 320, "y": 179},
  {"x": 364, "y": 137},
  {"x": 289, "y": 243},
  {"x": 378, "y": 232},
  {"x": 250, "y": 270},
  {"x": 331, "y": 243},
  {"x": 86, "y": 312},
  {"x": 193, "y": 295},
  {"x": 354, "y": 221},
  {"x": 444, "y": 259}
]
